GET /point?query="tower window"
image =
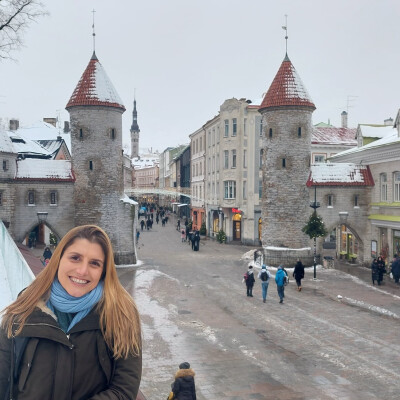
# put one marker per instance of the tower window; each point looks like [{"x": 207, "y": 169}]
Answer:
[
  {"x": 5, "y": 165},
  {"x": 112, "y": 133},
  {"x": 330, "y": 200},
  {"x": 81, "y": 133},
  {"x": 283, "y": 162},
  {"x": 299, "y": 131},
  {"x": 356, "y": 200},
  {"x": 270, "y": 132},
  {"x": 53, "y": 198},
  {"x": 31, "y": 198},
  {"x": 91, "y": 165}
]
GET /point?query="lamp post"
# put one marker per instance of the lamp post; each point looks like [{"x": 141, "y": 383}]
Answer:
[{"x": 314, "y": 205}]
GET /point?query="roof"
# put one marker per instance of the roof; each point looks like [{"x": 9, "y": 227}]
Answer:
[
  {"x": 6, "y": 145},
  {"x": 332, "y": 135},
  {"x": 52, "y": 146},
  {"x": 95, "y": 88},
  {"x": 375, "y": 131},
  {"x": 27, "y": 147},
  {"x": 340, "y": 174},
  {"x": 31, "y": 168},
  {"x": 287, "y": 89}
]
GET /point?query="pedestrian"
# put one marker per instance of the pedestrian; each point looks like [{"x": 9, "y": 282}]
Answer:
[
  {"x": 187, "y": 229},
  {"x": 47, "y": 253},
  {"x": 163, "y": 222},
  {"x": 196, "y": 241},
  {"x": 249, "y": 280},
  {"x": 186, "y": 222},
  {"x": 381, "y": 269},
  {"x": 74, "y": 332},
  {"x": 375, "y": 271},
  {"x": 183, "y": 235},
  {"x": 178, "y": 225},
  {"x": 142, "y": 224},
  {"x": 183, "y": 387},
  {"x": 264, "y": 275},
  {"x": 280, "y": 283},
  {"x": 298, "y": 273},
  {"x": 137, "y": 236},
  {"x": 157, "y": 219},
  {"x": 148, "y": 224},
  {"x": 396, "y": 268}
]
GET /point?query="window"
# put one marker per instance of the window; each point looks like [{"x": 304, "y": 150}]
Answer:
[
  {"x": 81, "y": 133},
  {"x": 245, "y": 127},
  {"x": 318, "y": 158},
  {"x": 112, "y": 134},
  {"x": 213, "y": 137},
  {"x": 230, "y": 189},
  {"x": 299, "y": 131},
  {"x": 244, "y": 158},
  {"x": 91, "y": 165},
  {"x": 226, "y": 159},
  {"x": 260, "y": 189},
  {"x": 217, "y": 189},
  {"x": 396, "y": 188},
  {"x": 270, "y": 132},
  {"x": 209, "y": 164},
  {"x": 356, "y": 200},
  {"x": 209, "y": 139},
  {"x": 261, "y": 127},
  {"x": 31, "y": 197},
  {"x": 234, "y": 127},
  {"x": 217, "y": 134},
  {"x": 233, "y": 158},
  {"x": 213, "y": 189},
  {"x": 217, "y": 166},
  {"x": 330, "y": 200},
  {"x": 226, "y": 131},
  {"x": 201, "y": 144},
  {"x": 53, "y": 198},
  {"x": 244, "y": 190},
  {"x": 283, "y": 162},
  {"x": 213, "y": 166},
  {"x": 261, "y": 157},
  {"x": 383, "y": 187},
  {"x": 201, "y": 168},
  {"x": 5, "y": 165}
]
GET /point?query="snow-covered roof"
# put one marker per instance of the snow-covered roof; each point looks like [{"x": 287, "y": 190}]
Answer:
[
  {"x": 32, "y": 168},
  {"x": 287, "y": 89},
  {"x": 27, "y": 147},
  {"x": 375, "y": 131},
  {"x": 5, "y": 143},
  {"x": 339, "y": 174},
  {"x": 41, "y": 130},
  {"x": 332, "y": 135},
  {"x": 95, "y": 88},
  {"x": 145, "y": 162}
]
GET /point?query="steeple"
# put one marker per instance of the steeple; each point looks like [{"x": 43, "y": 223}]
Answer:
[
  {"x": 134, "y": 126},
  {"x": 287, "y": 89}
]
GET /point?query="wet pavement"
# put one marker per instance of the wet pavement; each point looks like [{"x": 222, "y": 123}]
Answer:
[{"x": 336, "y": 339}]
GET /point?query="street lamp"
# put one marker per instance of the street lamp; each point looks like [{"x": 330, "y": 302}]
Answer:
[
  {"x": 42, "y": 216},
  {"x": 314, "y": 205}
]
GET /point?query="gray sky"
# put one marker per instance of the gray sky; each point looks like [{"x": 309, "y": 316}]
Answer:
[{"x": 185, "y": 57}]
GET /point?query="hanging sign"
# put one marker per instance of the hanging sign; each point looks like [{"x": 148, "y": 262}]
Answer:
[{"x": 236, "y": 211}]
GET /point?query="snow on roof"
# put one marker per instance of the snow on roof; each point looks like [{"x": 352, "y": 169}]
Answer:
[
  {"x": 343, "y": 174},
  {"x": 6, "y": 145},
  {"x": 52, "y": 146},
  {"x": 388, "y": 140},
  {"x": 287, "y": 89},
  {"x": 332, "y": 135},
  {"x": 145, "y": 162},
  {"x": 41, "y": 130},
  {"x": 95, "y": 88},
  {"x": 126, "y": 199},
  {"x": 32, "y": 168},
  {"x": 27, "y": 147},
  {"x": 375, "y": 131}
]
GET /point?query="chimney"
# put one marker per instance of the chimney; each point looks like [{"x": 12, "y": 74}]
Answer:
[
  {"x": 66, "y": 126},
  {"x": 344, "y": 119},
  {"x": 388, "y": 122},
  {"x": 14, "y": 124},
  {"x": 52, "y": 121}
]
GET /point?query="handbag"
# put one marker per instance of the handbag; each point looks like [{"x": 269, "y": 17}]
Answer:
[{"x": 171, "y": 396}]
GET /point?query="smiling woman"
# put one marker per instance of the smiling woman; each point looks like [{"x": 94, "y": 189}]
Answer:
[{"x": 74, "y": 329}]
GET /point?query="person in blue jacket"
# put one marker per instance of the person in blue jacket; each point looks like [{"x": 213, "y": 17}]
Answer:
[{"x": 280, "y": 283}]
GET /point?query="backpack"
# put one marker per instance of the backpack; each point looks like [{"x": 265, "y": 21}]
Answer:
[
  {"x": 264, "y": 276},
  {"x": 245, "y": 276},
  {"x": 285, "y": 280}
]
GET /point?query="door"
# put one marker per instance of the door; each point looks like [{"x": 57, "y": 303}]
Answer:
[{"x": 236, "y": 230}]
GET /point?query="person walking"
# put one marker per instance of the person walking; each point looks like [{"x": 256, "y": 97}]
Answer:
[
  {"x": 280, "y": 283},
  {"x": 183, "y": 235},
  {"x": 178, "y": 225},
  {"x": 183, "y": 387},
  {"x": 249, "y": 279},
  {"x": 137, "y": 236},
  {"x": 381, "y": 269},
  {"x": 142, "y": 224},
  {"x": 374, "y": 271},
  {"x": 196, "y": 241},
  {"x": 264, "y": 275},
  {"x": 298, "y": 273},
  {"x": 396, "y": 268},
  {"x": 74, "y": 332}
]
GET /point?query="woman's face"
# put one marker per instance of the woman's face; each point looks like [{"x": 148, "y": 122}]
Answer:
[{"x": 81, "y": 267}]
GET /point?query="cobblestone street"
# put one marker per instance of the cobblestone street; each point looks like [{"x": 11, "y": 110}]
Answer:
[{"x": 314, "y": 346}]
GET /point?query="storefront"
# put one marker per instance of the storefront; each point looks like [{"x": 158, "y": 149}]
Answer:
[
  {"x": 348, "y": 244},
  {"x": 198, "y": 217},
  {"x": 396, "y": 242},
  {"x": 237, "y": 224}
]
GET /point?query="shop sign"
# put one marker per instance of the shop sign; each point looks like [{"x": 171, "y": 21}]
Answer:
[{"x": 236, "y": 211}]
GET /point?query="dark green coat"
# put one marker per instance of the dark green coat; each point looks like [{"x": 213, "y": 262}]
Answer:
[{"x": 73, "y": 366}]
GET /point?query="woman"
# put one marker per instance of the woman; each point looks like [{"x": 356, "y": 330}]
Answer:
[
  {"x": 183, "y": 387},
  {"x": 374, "y": 271},
  {"x": 249, "y": 279},
  {"x": 75, "y": 330},
  {"x": 381, "y": 269},
  {"x": 298, "y": 274}
]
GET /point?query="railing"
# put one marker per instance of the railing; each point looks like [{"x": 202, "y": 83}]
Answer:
[{"x": 17, "y": 271}]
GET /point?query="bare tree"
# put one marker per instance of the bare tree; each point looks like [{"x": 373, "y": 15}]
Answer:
[{"x": 15, "y": 17}]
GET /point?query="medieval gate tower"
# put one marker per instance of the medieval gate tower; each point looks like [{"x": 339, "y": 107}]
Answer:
[
  {"x": 96, "y": 138},
  {"x": 286, "y": 111}
]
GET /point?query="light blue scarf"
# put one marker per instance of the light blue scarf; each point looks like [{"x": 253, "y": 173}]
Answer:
[{"x": 64, "y": 302}]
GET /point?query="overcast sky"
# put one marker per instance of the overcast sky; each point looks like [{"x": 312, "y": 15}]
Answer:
[{"x": 185, "y": 57}]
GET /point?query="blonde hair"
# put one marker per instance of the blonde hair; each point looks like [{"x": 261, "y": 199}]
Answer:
[{"x": 119, "y": 317}]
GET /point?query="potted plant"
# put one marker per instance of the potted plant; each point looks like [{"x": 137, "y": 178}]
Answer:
[
  {"x": 203, "y": 230},
  {"x": 221, "y": 236}
]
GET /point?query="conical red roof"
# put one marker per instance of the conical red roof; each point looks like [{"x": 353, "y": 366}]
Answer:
[
  {"x": 287, "y": 89},
  {"x": 95, "y": 88}
]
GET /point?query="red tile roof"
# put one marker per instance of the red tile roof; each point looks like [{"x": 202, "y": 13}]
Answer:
[
  {"x": 332, "y": 135},
  {"x": 287, "y": 89},
  {"x": 95, "y": 88},
  {"x": 340, "y": 174}
]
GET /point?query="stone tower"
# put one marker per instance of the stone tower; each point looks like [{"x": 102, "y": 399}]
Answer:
[
  {"x": 96, "y": 139},
  {"x": 134, "y": 133},
  {"x": 286, "y": 111}
]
